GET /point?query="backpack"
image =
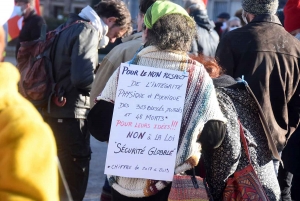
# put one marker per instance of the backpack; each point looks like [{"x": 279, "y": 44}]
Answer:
[{"x": 34, "y": 62}]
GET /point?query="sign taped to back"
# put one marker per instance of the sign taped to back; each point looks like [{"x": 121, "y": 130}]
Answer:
[{"x": 146, "y": 122}]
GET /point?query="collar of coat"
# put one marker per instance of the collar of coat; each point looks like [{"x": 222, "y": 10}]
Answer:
[
  {"x": 132, "y": 37},
  {"x": 266, "y": 18},
  {"x": 31, "y": 14}
]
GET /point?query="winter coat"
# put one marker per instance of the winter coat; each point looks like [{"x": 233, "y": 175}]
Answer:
[
  {"x": 291, "y": 154},
  {"x": 121, "y": 53},
  {"x": 28, "y": 162},
  {"x": 269, "y": 58},
  {"x": 76, "y": 56},
  {"x": 207, "y": 39},
  {"x": 31, "y": 30},
  {"x": 221, "y": 162}
]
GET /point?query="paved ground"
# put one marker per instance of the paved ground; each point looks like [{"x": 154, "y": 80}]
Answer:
[
  {"x": 11, "y": 60},
  {"x": 96, "y": 179}
]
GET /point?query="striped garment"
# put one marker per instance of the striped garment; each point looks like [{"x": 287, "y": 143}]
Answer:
[{"x": 200, "y": 106}]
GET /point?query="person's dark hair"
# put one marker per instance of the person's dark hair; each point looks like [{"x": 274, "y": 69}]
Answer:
[
  {"x": 31, "y": 2},
  {"x": 144, "y": 5},
  {"x": 174, "y": 32},
  {"x": 114, "y": 8},
  {"x": 224, "y": 16},
  {"x": 210, "y": 64}
]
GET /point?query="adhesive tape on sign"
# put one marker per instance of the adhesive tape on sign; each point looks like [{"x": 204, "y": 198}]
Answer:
[{"x": 6, "y": 9}]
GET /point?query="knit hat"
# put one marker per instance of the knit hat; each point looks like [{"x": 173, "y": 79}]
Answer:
[
  {"x": 258, "y": 7},
  {"x": 292, "y": 15},
  {"x": 224, "y": 16},
  {"x": 6, "y": 10},
  {"x": 160, "y": 9}
]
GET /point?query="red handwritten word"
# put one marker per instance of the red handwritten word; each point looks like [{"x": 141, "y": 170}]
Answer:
[
  {"x": 171, "y": 127},
  {"x": 156, "y": 126},
  {"x": 140, "y": 125},
  {"x": 123, "y": 123}
]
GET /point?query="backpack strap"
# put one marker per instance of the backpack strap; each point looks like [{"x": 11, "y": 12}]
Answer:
[{"x": 263, "y": 120}]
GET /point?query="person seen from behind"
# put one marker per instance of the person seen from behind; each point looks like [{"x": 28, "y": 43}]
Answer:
[
  {"x": 229, "y": 156},
  {"x": 268, "y": 57},
  {"x": 167, "y": 43},
  {"x": 207, "y": 39},
  {"x": 119, "y": 54},
  {"x": 75, "y": 59}
]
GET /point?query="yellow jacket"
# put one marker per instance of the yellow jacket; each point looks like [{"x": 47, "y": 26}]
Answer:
[{"x": 28, "y": 169}]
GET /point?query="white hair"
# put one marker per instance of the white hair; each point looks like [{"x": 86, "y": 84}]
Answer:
[{"x": 233, "y": 19}]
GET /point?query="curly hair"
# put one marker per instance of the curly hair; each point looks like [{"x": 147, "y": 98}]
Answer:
[
  {"x": 210, "y": 64},
  {"x": 114, "y": 8},
  {"x": 173, "y": 32}
]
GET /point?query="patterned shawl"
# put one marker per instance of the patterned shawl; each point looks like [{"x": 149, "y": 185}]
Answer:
[{"x": 200, "y": 106}]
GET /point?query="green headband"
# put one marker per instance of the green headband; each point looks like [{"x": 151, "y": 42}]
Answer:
[{"x": 160, "y": 9}]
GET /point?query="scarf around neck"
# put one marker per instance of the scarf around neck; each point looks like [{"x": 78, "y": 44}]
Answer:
[{"x": 88, "y": 13}]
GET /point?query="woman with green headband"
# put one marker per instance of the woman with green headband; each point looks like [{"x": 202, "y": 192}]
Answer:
[{"x": 168, "y": 33}]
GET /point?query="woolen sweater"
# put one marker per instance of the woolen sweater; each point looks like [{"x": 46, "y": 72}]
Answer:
[{"x": 200, "y": 106}]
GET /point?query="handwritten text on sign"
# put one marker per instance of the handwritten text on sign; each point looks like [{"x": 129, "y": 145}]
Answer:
[{"x": 146, "y": 122}]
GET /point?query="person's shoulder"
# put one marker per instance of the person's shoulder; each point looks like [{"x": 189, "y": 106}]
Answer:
[
  {"x": 80, "y": 27},
  {"x": 237, "y": 35},
  {"x": 77, "y": 22},
  {"x": 37, "y": 18},
  {"x": 130, "y": 44},
  {"x": 129, "y": 47}
]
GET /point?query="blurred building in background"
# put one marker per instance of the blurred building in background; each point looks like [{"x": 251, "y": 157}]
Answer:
[{"x": 60, "y": 8}]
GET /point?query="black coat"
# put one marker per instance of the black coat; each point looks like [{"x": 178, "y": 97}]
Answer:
[
  {"x": 269, "y": 58},
  {"x": 31, "y": 29},
  {"x": 207, "y": 39},
  {"x": 291, "y": 154},
  {"x": 76, "y": 57}
]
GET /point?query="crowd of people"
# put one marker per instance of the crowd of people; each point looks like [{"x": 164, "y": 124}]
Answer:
[{"x": 243, "y": 83}]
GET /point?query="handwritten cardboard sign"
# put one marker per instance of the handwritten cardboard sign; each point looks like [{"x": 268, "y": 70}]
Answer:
[{"x": 146, "y": 122}]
